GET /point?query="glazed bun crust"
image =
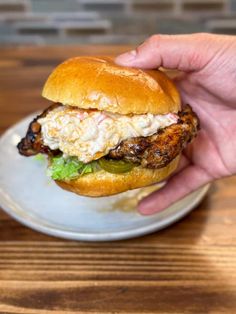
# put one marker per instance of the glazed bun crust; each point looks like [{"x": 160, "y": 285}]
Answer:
[
  {"x": 103, "y": 183},
  {"x": 99, "y": 83}
]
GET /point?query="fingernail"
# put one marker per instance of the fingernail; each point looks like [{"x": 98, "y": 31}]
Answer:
[
  {"x": 145, "y": 210},
  {"x": 126, "y": 57},
  {"x": 148, "y": 208}
]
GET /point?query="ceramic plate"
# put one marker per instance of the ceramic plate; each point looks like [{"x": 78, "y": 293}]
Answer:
[{"x": 29, "y": 196}]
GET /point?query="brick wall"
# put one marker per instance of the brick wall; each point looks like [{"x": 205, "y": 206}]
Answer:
[{"x": 110, "y": 21}]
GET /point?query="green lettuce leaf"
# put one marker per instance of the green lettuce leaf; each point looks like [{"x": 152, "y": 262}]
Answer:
[
  {"x": 40, "y": 157},
  {"x": 68, "y": 168}
]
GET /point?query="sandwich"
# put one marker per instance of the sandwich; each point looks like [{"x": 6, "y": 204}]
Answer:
[{"x": 109, "y": 128}]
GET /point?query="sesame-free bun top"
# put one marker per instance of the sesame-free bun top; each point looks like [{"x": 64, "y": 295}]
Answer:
[{"x": 99, "y": 83}]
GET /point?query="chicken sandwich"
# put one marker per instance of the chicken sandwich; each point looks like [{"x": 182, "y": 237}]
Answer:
[{"x": 110, "y": 128}]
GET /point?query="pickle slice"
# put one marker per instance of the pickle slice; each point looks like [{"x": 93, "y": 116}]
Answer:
[{"x": 115, "y": 166}]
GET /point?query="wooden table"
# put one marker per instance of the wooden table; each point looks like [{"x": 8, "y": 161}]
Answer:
[{"x": 187, "y": 268}]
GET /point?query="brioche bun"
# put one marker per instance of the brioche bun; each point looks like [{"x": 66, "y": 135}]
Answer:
[
  {"x": 103, "y": 183},
  {"x": 99, "y": 83}
]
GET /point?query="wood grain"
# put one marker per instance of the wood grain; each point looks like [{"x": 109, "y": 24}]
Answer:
[{"x": 187, "y": 268}]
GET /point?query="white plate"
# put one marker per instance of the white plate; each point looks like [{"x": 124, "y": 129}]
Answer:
[{"x": 36, "y": 201}]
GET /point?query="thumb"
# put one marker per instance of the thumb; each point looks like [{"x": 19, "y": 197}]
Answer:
[
  {"x": 182, "y": 52},
  {"x": 178, "y": 186}
]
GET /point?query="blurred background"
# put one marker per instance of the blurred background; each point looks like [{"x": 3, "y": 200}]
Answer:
[{"x": 42, "y": 22}]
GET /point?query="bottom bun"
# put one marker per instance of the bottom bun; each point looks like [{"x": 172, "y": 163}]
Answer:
[{"x": 103, "y": 183}]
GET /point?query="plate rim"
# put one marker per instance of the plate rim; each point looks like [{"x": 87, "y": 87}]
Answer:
[{"x": 105, "y": 237}]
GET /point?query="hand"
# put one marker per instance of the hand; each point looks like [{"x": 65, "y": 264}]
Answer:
[{"x": 209, "y": 86}]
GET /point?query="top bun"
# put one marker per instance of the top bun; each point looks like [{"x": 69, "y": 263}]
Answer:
[{"x": 99, "y": 83}]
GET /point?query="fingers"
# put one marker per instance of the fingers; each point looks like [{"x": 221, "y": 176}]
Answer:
[
  {"x": 183, "y": 52},
  {"x": 183, "y": 163},
  {"x": 177, "y": 187}
]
